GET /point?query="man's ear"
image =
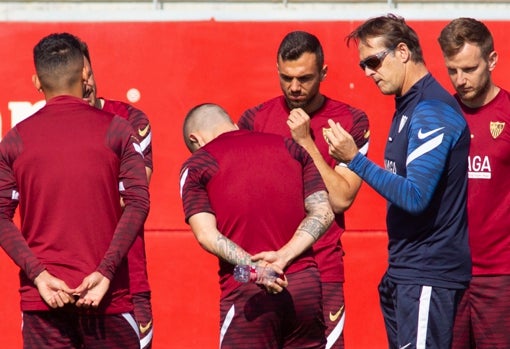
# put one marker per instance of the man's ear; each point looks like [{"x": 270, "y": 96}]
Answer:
[
  {"x": 85, "y": 73},
  {"x": 36, "y": 82},
  {"x": 196, "y": 141},
  {"x": 324, "y": 72},
  {"x": 403, "y": 52},
  {"x": 493, "y": 59}
]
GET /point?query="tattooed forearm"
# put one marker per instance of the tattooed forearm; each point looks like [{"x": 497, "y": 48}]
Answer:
[
  {"x": 319, "y": 217},
  {"x": 313, "y": 227},
  {"x": 230, "y": 251}
]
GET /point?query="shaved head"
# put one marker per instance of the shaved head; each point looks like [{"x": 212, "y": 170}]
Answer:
[{"x": 208, "y": 118}]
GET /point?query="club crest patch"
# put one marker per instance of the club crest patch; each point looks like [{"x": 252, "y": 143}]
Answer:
[{"x": 496, "y": 128}]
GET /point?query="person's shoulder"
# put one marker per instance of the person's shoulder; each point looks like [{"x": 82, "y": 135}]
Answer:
[
  {"x": 118, "y": 123},
  {"x": 504, "y": 93},
  {"x": 113, "y": 104},
  {"x": 439, "y": 112},
  {"x": 199, "y": 161},
  {"x": 121, "y": 108},
  {"x": 432, "y": 89},
  {"x": 262, "y": 112},
  {"x": 337, "y": 106},
  {"x": 334, "y": 102},
  {"x": 11, "y": 135},
  {"x": 502, "y": 102}
]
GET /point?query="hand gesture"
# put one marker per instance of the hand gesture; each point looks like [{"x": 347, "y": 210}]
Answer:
[
  {"x": 299, "y": 125},
  {"x": 53, "y": 291},
  {"x": 92, "y": 290},
  {"x": 341, "y": 144}
]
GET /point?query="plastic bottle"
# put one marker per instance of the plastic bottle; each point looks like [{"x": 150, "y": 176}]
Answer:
[{"x": 255, "y": 273}]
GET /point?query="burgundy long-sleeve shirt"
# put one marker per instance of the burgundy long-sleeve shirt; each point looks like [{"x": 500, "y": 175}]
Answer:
[
  {"x": 66, "y": 166},
  {"x": 137, "y": 259}
]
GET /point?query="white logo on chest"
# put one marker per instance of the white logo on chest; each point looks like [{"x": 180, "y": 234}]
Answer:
[{"x": 479, "y": 167}]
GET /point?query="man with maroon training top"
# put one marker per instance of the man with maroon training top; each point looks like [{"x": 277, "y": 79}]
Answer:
[
  {"x": 483, "y": 316},
  {"x": 137, "y": 261},
  {"x": 302, "y": 112},
  {"x": 257, "y": 199},
  {"x": 66, "y": 166}
]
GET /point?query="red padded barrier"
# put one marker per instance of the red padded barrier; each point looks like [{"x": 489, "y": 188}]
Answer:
[{"x": 176, "y": 65}]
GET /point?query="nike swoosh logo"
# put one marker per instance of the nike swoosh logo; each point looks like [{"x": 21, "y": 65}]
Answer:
[
  {"x": 405, "y": 346},
  {"x": 422, "y": 135},
  {"x": 334, "y": 317},
  {"x": 143, "y": 131},
  {"x": 144, "y": 329}
]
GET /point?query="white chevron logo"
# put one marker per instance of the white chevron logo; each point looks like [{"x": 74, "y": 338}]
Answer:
[{"x": 422, "y": 135}]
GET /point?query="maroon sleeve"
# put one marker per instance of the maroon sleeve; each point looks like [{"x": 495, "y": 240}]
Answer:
[
  {"x": 142, "y": 127},
  {"x": 140, "y": 123},
  {"x": 247, "y": 120},
  {"x": 195, "y": 174},
  {"x": 133, "y": 190},
  {"x": 312, "y": 179},
  {"x": 11, "y": 239},
  {"x": 360, "y": 130}
]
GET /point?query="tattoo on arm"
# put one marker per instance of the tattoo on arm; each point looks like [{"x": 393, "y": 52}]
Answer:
[
  {"x": 319, "y": 215},
  {"x": 230, "y": 251}
]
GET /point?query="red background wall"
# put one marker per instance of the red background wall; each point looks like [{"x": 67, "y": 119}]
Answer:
[{"x": 176, "y": 65}]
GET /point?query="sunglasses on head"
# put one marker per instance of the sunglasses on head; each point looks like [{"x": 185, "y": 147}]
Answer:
[{"x": 373, "y": 61}]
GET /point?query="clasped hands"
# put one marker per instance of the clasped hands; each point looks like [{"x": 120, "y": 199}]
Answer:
[
  {"x": 56, "y": 293},
  {"x": 273, "y": 260}
]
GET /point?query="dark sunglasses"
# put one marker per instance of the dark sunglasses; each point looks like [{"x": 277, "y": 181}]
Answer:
[{"x": 374, "y": 61}]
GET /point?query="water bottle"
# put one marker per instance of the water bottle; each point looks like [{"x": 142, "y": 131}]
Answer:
[{"x": 255, "y": 273}]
